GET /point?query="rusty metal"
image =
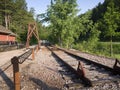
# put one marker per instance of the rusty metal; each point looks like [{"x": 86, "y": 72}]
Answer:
[
  {"x": 85, "y": 80},
  {"x": 32, "y": 30},
  {"x": 16, "y": 73},
  {"x": 24, "y": 56},
  {"x": 15, "y": 61},
  {"x": 87, "y": 60},
  {"x": 116, "y": 68},
  {"x": 80, "y": 69}
]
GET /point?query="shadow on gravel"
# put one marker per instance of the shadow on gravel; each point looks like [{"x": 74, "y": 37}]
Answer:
[
  {"x": 7, "y": 80},
  {"x": 42, "y": 85},
  {"x": 66, "y": 72}
]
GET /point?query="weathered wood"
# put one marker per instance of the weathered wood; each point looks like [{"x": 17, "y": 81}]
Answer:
[{"x": 16, "y": 73}]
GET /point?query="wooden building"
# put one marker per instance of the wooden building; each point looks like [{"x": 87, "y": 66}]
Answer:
[{"x": 6, "y": 35}]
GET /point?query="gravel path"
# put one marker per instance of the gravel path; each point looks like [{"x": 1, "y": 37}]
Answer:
[
  {"x": 105, "y": 61},
  {"x": 99, "y": 59},
  {"x": 43, "y": 74},
  {"x": 39, "y": 74},
  {"x": 6, "y": 56}
]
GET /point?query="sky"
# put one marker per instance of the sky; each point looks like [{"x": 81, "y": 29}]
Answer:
[{"x": 40, "y": 6}]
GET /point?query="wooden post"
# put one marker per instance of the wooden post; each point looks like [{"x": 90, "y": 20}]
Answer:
[
  {"x": 16, "y": 73},
  {"x": 33, "y": 55}
]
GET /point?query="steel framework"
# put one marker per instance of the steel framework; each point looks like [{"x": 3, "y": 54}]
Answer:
[{"x": 32, "y": 30}]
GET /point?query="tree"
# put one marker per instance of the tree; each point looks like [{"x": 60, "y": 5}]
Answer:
[
  {"x": 32, "y": 11},
  {"x": 98, "y": 15},
  {"x": 6, "y": 8},
  {"x": 61, "y": 16},
  {"x": 110, "y": 19},
  {"x": 89, "y": 34},
  {"x": 14, "y": 16}
]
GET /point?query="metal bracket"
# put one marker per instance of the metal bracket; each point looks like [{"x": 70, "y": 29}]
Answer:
[
  {"x": 80, "y": 69},
  {"x": 116, "y": 69}
]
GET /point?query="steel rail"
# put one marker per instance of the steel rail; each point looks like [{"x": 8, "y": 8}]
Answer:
[
  {"x": 111, "y": 69},
  {"x": 115, "y": 69},
  {"x": 85, "y": 81}
]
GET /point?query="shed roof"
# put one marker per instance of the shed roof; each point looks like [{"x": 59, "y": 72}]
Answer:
[{"x": 6, "y": 31}]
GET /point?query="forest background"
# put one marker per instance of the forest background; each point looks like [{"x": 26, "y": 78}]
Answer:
[{"x": 96, "y": 31}]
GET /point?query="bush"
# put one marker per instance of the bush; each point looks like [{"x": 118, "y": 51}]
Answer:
[
  {"x": 100, "y": 48},
  {"x": 116, "y": 48},
  {"x": 103, "y": 48}
]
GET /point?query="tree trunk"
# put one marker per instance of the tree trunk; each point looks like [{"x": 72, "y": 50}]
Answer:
[
  {"x": 111, "y": 47},
  {"x": 60, "y": 42},
  {"x": 6, "y": 21}
]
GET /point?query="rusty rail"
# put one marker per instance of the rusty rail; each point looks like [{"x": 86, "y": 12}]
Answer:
[
  {"x": 79, "y": 72},
  {"x": 115, "y": 69}
]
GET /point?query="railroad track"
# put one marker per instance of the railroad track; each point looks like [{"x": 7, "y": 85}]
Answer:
[
  {"x": 99, "y": 59},
  {"x": 83, "y": 72}
]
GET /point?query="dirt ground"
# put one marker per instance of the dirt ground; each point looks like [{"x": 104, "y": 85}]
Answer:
[
  {"x": 6, "y": 56},
  {"x": 39, "y": 74},
  {"x": 42, "y": 73}
]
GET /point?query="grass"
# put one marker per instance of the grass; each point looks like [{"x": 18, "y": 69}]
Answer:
[
  {"x": 117, "y": 56},
  {"x": 101, "y": 49},
  {"x": 109, "y": 42}
]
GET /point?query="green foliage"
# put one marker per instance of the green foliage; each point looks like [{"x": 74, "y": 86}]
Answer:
[
  {"x": 43, "y": 32},
  {"x": 102, "y": 20},
  {"x": 107, "y": 15},
  {"x": 84, "y": 31},
  {"x": 61, "y": 16},
  {"x": 103, "y": 48},
  {"x": 110, "y": 19},
  {"x": 89, "y": 34},
  {"x": 14, "y": 16}
]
